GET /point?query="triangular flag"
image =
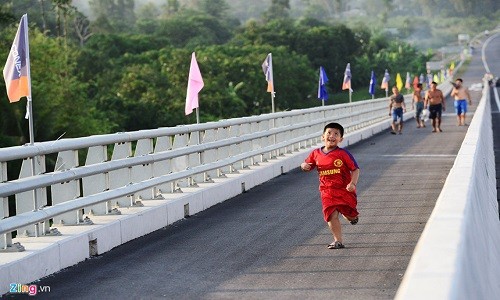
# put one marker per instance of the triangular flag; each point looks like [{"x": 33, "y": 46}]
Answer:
[
  {"x": 385, "y": 80},
  {"x": 16, "y": 72},
  {"x": 195, "y": 84},
  {"x": 435, "y": 78},
  {"x": 267, "y": 68},
  {"x": 399, "y": 81},
  {"x": 408, "y": 81},
  {"x": 415, "y": 82},
  {"x": 373, "y": 82},
  {"x": 346, "y": 84},
  {"x": 322, "y": 92}
]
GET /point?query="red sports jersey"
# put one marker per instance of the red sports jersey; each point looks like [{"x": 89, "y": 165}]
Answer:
[
  {"x": 334, "y": 167},
  {"x": 334, "y": 170}
]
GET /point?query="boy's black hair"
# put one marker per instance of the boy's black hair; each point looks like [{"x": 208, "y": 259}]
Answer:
[{"x": 335, "y": 126}]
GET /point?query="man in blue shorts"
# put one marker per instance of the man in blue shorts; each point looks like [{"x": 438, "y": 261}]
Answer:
[
  {"x": 396, "y": 109},
  {"x": 461, "y": 94}
]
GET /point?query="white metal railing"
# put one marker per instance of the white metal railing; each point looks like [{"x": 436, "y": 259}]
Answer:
[{"x": 147, "y": 164}]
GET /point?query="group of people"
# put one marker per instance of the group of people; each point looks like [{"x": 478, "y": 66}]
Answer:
[
  {"x": 338, "y": 170},
  {"x": 434, "y": 101}
]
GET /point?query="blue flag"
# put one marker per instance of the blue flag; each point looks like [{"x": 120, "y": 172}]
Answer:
[
  {"x": 373, "y": 82},
  {"x": 322, "y": 92}
]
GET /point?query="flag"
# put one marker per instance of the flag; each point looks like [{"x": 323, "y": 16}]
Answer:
[
  {"x": 421, "y": 78},
  {"x": 195, "y": 84},
  {"x": 399, "y": 81},
  {"x": 435, "y": 78},
  {"x": 385, "y": 80},
  {"x": 267, "y": 67},
  {"x": 373, "y": 82},
  {"x": 429, "y": 80},
  {"x": 16, "y": 72},
  {"x": 346, "y": 85},
  {"x": 415, "y": 82},
  {"x": 322, "y": 92},
  {"x": 452, "y": 66},
  {"x": 408, "y": 82}
]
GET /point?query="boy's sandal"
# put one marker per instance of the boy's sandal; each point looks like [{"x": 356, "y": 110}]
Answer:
[
  {"x": 336, "y": 245},
  {"x": 355, "y": 221}
]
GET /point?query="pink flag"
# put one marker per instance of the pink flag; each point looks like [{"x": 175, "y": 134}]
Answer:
[
  {"x": 195, "y": 84},
  {"x": 16, "y": 70},
  {"x": 408, "y": 81},
  {"x": 346, "y": 85}
]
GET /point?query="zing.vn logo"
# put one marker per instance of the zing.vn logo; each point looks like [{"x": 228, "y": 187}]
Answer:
[{"x": 32, "y": 289}]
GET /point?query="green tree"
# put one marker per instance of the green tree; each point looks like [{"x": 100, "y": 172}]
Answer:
[
  {"x": 214, "y": 8},
  {"x": 113, "y": 15},
  {"x": 279, "y": 9}
]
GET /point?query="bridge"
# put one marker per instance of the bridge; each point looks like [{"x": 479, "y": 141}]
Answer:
[{"x": 220, "y": 210}]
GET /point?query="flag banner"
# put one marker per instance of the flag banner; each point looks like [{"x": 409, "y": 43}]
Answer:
[
  {"x": 346, "y": 85},
  {"x": 415, "y": 82},
  {"x": 399, "y": 82},
  {"x": 322, "y": 92},
  {"x": 421, "y": 79},
  {"x": 373, "y": 82},
  {"x": 408, "y": 81},
  {"x": 16, "y": 72},
  {"x": 385, "y": 80},
  {"x": 195, "y": 84},
  {"x": 267, "y": 68},
  {"x": 429, "y": 80},
  {"x": 435, "y": 78}
]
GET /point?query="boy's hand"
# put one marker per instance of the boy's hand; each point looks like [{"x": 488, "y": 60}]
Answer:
[
  {"x": 305, "y": 166},
  {"x": 351, "y": 187}
]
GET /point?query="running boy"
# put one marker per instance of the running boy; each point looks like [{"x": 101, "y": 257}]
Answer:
[{"x": 338, "y": 176}]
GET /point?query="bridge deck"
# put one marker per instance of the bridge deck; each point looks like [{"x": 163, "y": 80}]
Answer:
[{"x": 271, "y": 241}]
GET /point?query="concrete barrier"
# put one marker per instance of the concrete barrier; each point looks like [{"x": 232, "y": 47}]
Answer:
[{"x": 458, "y": 254}]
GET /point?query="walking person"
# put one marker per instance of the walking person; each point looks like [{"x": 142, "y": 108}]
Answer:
[
  {"x": 338, "y": 176},
  {"x": 396, "y": 109},
  {"x": 435, "y": 102},
  {"x": 417, "y": 103},
  {"x": 461, "y": 95}
]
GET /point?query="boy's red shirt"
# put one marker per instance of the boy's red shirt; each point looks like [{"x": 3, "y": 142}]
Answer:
[{"x": 334, "y": 167}]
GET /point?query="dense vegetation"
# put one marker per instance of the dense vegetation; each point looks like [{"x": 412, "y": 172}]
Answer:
[{"x": 125, "y": 67}]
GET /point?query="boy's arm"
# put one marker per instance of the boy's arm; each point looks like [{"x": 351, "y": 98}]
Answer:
[
  {"x": 306, "y": 166},
  {"x": 354, "y": 180}
]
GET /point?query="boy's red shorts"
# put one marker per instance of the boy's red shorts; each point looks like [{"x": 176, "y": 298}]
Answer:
[{"x": 343, "y": 201}]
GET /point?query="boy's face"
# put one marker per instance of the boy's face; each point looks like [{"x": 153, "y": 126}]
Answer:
[{"x": 332, "y": 138}]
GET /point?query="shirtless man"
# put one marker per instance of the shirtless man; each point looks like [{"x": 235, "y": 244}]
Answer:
[
  {"x": 434, "y": 100},
  {"x": 417, "y": 103},
  {"x": 396, "y": 109},
  {"x": 461, "y": 94}
]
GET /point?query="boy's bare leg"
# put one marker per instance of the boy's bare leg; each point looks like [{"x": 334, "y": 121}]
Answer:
[{"x": 335, "y": 226}]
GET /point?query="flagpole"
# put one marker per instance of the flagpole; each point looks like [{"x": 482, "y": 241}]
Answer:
[
  {"x": 350, "y": 95},
  {"x": 272, "y": 100},
  {"x": 30, "y": 116}
]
